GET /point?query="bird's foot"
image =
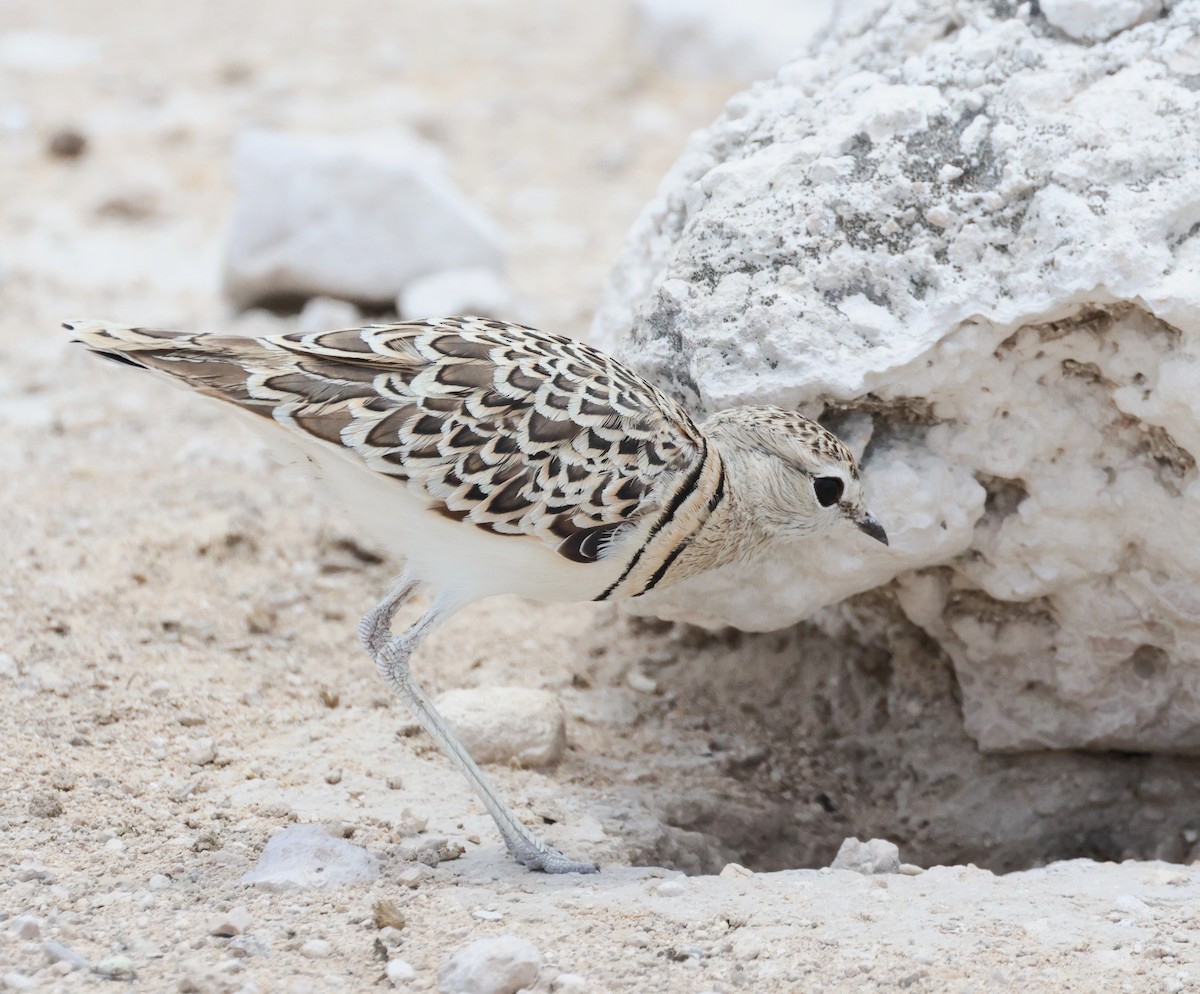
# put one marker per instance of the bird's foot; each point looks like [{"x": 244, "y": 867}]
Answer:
[{"x": 539, "y": 856}]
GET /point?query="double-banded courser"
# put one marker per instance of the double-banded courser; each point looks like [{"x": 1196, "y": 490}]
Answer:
[{"x": 502, "y": 460}]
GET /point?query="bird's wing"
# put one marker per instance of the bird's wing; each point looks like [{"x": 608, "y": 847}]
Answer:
[{"x": 508, "y": 428}]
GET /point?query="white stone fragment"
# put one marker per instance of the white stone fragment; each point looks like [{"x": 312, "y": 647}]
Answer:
[
  {"x": 1096, "y": 20},
  {"x": 356, "y": 217},
  {"x": 116, "y": 967},
  {"x": 308, "y": 856},
  {"x": 735, "y": 871},
  {"x": 1129, "y": 905},
  {"x": 202, "y": 752},
  {"x": 500, "y": 965},
  {"x": 14, "y": 981},
  {"x": 26, "y": 926},
  {"x": 56, "y": 952},
  {"x": 399, "y": 971},
  {"x": 875, "y": 856},
  {"x": 507, "y": 724},
  {"x": 1004, "y": 280},
  {"x": 316, "y": 949},
  {"x": 229, "y": 923},
  {"x": 477, "y": 291}
]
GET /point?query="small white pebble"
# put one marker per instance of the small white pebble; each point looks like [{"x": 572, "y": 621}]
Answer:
[
  {"x": 316, "y": 949},
  {"x": 939, "y": 215},
  {"x": 30, "y": 870},
  {"x": 487, "y": 914},
  {"x": 496, "y": 965},
  {"x": 670, "y": 888},
  {"x": 115, "y": 845},
  {"x": 411, "y": 876},
  {"x": 26, "y": 927},
  {"x": 64, "y": 956},
  {"x": 568, "y": 982},
  {"x": 333, "y": 776},
  {"x": 17, "y": 981},
  {"x": 391, "y": 936},
  {"x": 638, "y": 681},
  {"x": 202, "y": 752},
  {"x": 735, "y": 870},
  {"x": 117, "y": 967},
  {"x": 395, "y": 782},
  {"x": 1130, "y": 905},
  {"x": 399, "y": 971},
  {"x": 233, "y": 922},
  {"x": 158, "y": 882},
  {"x": 874, "y": 856}
]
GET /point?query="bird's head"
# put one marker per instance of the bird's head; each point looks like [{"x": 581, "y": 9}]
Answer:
[{"x": 794, "y": 478}]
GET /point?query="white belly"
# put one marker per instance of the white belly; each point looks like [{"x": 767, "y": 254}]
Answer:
[{"x": 460, "y": 561}]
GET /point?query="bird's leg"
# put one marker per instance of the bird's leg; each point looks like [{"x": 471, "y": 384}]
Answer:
[{"x": 391, "y": 657}]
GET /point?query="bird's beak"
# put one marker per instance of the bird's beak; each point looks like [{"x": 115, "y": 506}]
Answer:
[{"x": 870, "y": 526}]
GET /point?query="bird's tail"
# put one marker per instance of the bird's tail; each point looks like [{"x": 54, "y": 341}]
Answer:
[
  {"x": 122, "y": 343},
  {"x": 217, "y": 365}
]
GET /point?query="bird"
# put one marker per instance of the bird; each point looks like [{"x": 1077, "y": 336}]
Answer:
[{"x": 498, "y": 459}]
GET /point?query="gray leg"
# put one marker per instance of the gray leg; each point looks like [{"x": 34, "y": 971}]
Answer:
[{"x": 391, "y": 657}]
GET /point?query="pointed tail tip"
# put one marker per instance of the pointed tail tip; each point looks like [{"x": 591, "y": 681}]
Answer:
[{"x": 80, "y": 326}]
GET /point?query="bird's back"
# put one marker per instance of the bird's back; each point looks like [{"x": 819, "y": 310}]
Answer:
[{"x": 481, "y": 438}]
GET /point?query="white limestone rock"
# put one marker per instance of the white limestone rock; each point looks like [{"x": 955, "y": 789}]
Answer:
[
  {"x": 972, "y": 245},
  {"x": 507, "y": 724},
  {"x": 355, "y": 217}
]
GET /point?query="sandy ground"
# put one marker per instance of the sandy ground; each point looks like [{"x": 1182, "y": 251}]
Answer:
[{"x": 178, "y": 667}]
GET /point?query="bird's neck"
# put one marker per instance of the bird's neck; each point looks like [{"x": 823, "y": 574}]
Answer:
[{"x": 729, "y": 532}]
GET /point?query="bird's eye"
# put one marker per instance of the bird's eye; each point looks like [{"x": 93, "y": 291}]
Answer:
[{"x": 828, "y": 490}]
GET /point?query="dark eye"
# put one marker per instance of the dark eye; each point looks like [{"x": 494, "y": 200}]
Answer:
[{"x": 828, "y": 490}]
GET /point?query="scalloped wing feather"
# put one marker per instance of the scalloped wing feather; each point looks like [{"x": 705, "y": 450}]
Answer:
[{"x": 513, "y": 430}]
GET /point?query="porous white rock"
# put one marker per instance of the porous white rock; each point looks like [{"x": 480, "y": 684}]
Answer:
[
  {"x": 350, "y": 216},
  {"x": 308, "y": 856},
  {"x": 477, "y": 291},
  {"x": 507, "y": 724},
  {"x": 502, "y": 964},
  {"x": 971, "y": 245}
]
